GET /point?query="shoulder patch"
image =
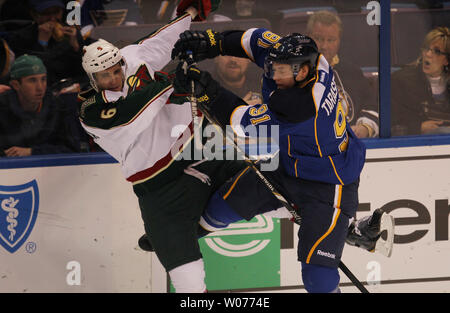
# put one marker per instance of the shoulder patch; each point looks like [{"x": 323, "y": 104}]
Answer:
[
  {"x": 86, "y": 104},
  {"x": 84, "y": 94}
]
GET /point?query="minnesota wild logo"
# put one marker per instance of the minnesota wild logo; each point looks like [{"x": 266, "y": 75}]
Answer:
[
  {"x": 134, "y": 83},
  {"x": 138, "y": 80}
]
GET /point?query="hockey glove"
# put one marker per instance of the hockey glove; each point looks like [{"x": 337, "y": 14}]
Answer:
[
  {"x": 204, "y": 7},
  {"x": 145, "y": 244},
  {"x": 206, "y": 89},
  {"x": 203, "y": 44}
]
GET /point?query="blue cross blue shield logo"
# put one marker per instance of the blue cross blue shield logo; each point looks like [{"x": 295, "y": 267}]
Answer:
[{"x": 19, "y": 207}]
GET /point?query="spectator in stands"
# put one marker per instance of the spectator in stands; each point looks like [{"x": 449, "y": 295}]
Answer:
[
  {"x": 235, "y": 75},
  {"x": 355, "y": 92},
  {"x": 421, "y": 91},
  {"x": 58, "y": 45},
  {"x": 32, "y": 121},
  {"x": 6, "y": 59}
]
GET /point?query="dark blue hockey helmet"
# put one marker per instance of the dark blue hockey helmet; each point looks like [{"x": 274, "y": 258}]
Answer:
[{"x": 295, "y": 50}]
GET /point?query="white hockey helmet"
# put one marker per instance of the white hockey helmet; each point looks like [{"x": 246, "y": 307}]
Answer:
[{"x": 99, "y": 56}]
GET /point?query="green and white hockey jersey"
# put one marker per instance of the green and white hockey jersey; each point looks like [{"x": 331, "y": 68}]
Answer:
[{"x": 144, "y": 130}]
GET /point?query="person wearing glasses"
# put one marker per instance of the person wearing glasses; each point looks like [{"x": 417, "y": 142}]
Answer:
[
  {"x": 356, "y": 94},
  {"x": 421, "y": 90}
]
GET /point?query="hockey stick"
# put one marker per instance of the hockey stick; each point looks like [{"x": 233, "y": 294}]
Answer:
[
  {"x": 197, "y": 135},
  {"x": 353, "y": 278},
  {"x": 279, "y": 196}
]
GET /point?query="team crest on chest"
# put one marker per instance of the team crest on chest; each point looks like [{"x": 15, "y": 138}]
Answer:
[{"x": 138, "y": 80}]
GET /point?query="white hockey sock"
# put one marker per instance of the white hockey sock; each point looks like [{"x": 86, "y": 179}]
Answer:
[{"x": 189, "y": 277}]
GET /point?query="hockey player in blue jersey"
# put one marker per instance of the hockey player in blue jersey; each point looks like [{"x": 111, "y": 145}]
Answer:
[{"x": 321, "y": 158}]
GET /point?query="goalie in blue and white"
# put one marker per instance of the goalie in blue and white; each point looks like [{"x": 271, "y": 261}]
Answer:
[{"x": 320, "y": 155}]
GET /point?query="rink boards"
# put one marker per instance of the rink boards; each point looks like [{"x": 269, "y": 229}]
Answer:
[{"x": 74, "y": 228}]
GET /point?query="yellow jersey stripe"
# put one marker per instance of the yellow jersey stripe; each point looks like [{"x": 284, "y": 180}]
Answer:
[
  {"x": 234, "y": 184},
  {"x": 334, "y": 168},
  {"x": 289, "y": 146},
  {"x": 337, "y": 212}
]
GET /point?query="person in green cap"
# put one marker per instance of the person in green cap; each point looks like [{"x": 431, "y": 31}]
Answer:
[{"x": 32, "y": 120}]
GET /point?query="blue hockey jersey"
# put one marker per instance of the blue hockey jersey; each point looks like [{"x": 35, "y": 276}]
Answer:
[{"x": 319, "y": 146}]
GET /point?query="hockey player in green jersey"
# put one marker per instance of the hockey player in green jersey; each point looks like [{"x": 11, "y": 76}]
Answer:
[{"x": 131, "y": 113}]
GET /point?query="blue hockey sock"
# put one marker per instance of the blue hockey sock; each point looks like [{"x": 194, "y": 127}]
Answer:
[
  {"x": 320, "y": 279},
  {"x": 218, "y": 213}
]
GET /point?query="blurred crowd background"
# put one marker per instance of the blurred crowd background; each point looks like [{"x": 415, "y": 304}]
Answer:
[{"x": 41, "y": 117}]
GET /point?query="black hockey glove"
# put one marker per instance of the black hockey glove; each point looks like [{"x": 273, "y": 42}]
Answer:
[
  {"x": 203, "y": 44},
  {"x": 206, "y": 89}
]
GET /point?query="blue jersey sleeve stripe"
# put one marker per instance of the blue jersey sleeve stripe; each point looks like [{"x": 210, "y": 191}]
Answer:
[
  {"x": 316, "y": 137},
  {"x": 234, "y": 183}
]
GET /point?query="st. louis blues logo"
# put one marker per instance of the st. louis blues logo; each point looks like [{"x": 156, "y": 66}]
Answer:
[{"x": 18, "y": 212}]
